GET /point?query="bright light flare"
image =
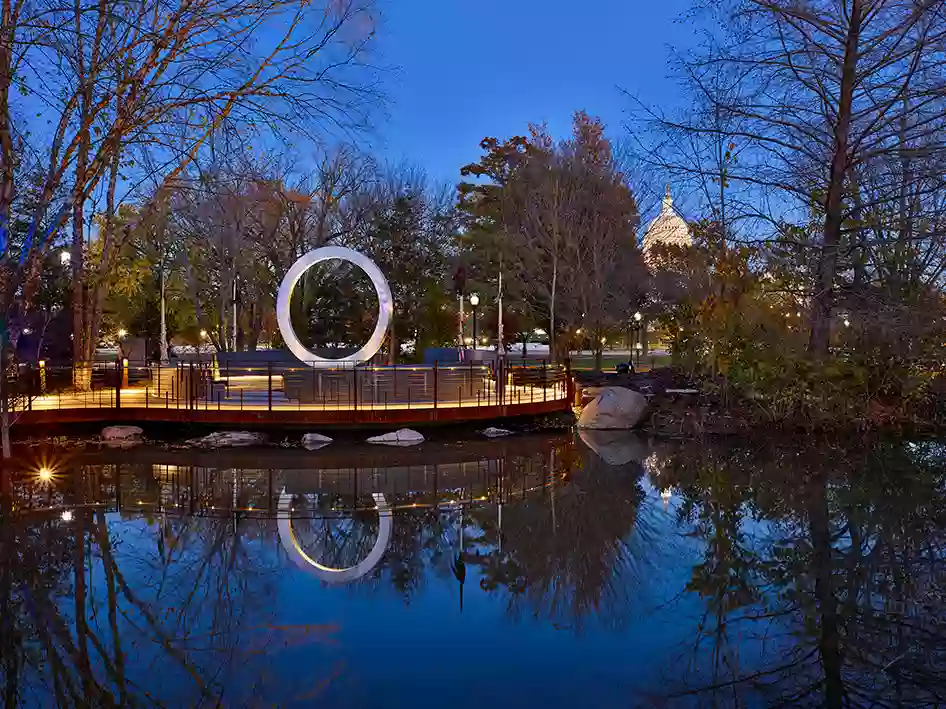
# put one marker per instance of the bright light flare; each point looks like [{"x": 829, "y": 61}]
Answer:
[{"x": 66, "y": 516}]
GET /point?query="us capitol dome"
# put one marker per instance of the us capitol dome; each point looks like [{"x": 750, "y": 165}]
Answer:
[{"x": 668, "y": 227}]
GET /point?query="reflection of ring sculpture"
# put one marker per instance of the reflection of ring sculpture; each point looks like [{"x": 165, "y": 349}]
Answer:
[
  {"x": 327, "y": 573},
  {"x": 385, "y": 304}
]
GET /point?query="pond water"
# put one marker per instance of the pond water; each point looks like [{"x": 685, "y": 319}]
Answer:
[{"x": 532, "y": 571}]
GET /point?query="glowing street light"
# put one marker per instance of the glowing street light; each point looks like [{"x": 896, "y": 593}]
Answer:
[
  {"x": 474, "y": 301},
  {"x": 66, "y": 515},
  {"x": 122, "y": 332},
  {"x": 65, "y": 258},
  {"x": 45, "y": 474},
  {"x": 203, "y": 334},
  {"x": 637, "y": 316}
]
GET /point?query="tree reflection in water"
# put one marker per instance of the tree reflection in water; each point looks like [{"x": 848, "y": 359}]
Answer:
[
  {"x": 93, "y": 607},
  {"x": 816, "y": 572},
  {"x": 822, "y": 573}
]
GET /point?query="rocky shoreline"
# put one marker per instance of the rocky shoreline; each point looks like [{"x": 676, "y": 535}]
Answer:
[{"x": 678, "y": 407}]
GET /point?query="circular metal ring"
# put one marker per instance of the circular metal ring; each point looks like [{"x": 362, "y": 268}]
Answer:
[
  {"x": 381, "y": 287},
  {"x": 327, "y": 573}
]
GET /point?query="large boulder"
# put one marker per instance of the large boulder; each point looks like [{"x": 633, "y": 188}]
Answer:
[
  {"x": 616, "y": 447},
  {"x": 401, "y": 437},
  {"x": 614, "y": 408},
  {"x": 314, "y": 441},
  {"x": 121, "y": 433},
  {"x": 229, "y": 439}
]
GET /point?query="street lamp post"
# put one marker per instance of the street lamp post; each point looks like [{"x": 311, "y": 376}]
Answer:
[
  {"x": 474, "y": 301},
  {"x": 637, "y": 336}
]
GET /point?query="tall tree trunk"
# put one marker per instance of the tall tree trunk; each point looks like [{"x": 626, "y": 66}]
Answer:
[
  {"x": 500, "y": 333},
  {"x": 6, "y": 199},
  {"x": 823, "y": 299},
  {"x": 829, "y": 642},
  {"x": 82, "y": 350},
  {"x": 101, "y": 530},
  {"x": 9, "y": 635},
  {"x": 164, "y": 323},
  {"x": 82, "y": 371},
  {"x": 4, "y": 397},
  {"x": 7, "y": 157},
  {"x": 255, "y": 319},
  {"x": 95, "y": 290},
  {"x": 552, "y": 305},
  {"x": 83, "y": 662}
]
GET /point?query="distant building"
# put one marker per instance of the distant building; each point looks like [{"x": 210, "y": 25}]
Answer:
[{"x": 668, "y": 228}]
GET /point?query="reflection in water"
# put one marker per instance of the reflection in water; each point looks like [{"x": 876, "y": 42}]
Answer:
[
  {"x": 329, "y": 574},
  {"x": 680, "y": 574}
]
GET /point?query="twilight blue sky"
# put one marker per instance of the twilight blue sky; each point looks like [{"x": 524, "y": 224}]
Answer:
[{"x": 468, "y": 69}]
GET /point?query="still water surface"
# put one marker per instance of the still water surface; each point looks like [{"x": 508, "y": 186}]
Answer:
[{"x": 536, "y": 571}]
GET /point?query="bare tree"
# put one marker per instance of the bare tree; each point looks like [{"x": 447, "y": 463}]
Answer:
[
  {"x": 161, "y": 78},
  {"x": 813, "y": 94}
]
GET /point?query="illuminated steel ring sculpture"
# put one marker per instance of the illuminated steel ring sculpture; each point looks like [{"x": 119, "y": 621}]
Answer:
[
  {"x": 385, "y": 304},
  {"x": 327, "y": 573}
]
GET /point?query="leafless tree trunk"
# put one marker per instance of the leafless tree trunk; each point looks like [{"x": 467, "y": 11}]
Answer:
[
  {"x": 831, "y": 107},
  {"x": 823, "y": 296}
]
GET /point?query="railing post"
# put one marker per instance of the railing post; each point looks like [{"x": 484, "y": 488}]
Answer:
[
  {"x": 354, "y": 385},
  {"x": 436, "y": 382},
  {"x": 119, "y": 370},
  {"x": 269, "y": 384},
  {"x": 569, "y": 382},
  {"x": 501, "y": 383}
]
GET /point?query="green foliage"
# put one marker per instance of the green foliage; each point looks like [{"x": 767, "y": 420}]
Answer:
[
  {"x": 736, "y": 326},
  {"x": 559, "y": 219}
]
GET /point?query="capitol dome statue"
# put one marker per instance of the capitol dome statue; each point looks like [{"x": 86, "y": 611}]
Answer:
[{"x": 668, "y": 227}]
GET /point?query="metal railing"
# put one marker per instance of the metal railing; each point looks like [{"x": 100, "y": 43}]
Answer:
[{"x": 276, "y": 386}]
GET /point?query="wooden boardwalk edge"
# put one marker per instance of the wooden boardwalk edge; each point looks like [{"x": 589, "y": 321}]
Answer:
[{"x": 287, "y": 417}]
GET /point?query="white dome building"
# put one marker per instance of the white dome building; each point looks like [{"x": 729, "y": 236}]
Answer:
[{"x": 668, "y": 228}]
